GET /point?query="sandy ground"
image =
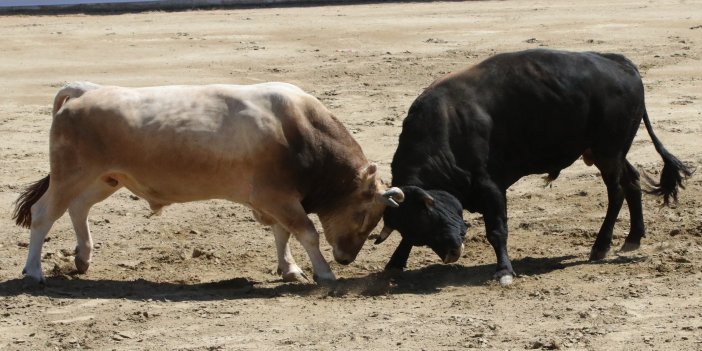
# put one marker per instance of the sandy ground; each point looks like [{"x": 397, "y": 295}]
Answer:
[{"x": 146, "y": 290}]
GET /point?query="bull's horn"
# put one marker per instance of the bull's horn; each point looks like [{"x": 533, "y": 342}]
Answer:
[
  {"x": 393, "y": 197},
  {"x": 384, "y": 234}
]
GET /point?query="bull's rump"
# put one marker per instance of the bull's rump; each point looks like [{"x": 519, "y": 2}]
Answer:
[{"x": 175, "y": 143}]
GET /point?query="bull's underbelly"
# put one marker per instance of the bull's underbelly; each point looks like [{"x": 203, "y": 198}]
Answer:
[
  {"x": 165, "y": 189},
  {"x": 550, "y": 161}
]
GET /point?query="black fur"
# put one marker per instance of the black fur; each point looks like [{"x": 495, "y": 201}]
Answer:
[
  {"x": 440, "y": 223},
  {"x": 673, "y": 173},
  {"x": 476, "y": 132}
]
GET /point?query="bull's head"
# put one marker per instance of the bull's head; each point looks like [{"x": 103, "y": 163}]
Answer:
[
  {"x": 431, "y": 218},
  {"x": 348, "y": 224}
]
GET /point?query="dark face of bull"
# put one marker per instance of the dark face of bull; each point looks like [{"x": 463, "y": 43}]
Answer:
[{"x": 431, "y": 218}]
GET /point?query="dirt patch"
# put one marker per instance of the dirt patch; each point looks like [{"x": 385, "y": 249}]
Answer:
[{"x": 201, "y": 276}]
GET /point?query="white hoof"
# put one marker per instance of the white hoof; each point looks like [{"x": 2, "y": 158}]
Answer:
[
  {"x": 295, "y": 277},
  {"x": 506, "y": 280},
  {"x": 33, "y": 275},
  {"x": 294, "y": 274},
  {"x": 81, "y": 265},
  {"x": 324, "y": 277}
]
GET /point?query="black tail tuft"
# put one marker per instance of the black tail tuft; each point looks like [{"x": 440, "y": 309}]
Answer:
[
  {"x": 23, "y": 206},
  {"x": 673, "y": 174}
]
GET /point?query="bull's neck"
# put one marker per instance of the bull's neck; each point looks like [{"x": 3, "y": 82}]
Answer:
[
  {"x": 327, "y": 182},
  {"x": 430, "y": 166},
  {"x": 434, "y": 174},
  {"x": 333, "y": 171}
]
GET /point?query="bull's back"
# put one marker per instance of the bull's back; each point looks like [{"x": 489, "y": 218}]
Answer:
[
  {"x": 528, "y": 112},
  {"x": 214, "y": 139}
]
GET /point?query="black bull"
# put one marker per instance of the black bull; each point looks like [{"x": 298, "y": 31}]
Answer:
[{"x": 472, "y": 134}]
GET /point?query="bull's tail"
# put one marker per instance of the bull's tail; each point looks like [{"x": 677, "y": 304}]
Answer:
[
  {"x": 23, "y": 206},
  {"x": 674, "y": 171},
  {"x": 71, "y": 91}
]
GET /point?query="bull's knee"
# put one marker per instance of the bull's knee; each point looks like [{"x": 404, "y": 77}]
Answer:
[{"x": 308, "y": 238}]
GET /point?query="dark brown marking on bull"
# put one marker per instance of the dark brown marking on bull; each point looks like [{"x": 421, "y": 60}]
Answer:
[
  {"x": 587, "y": 157},
  {"x": 316, "y": 139},
  {"x": 111, "y": 181}
]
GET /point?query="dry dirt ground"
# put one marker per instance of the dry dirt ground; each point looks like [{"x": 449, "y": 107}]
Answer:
[{"x": 200, "y": 277}]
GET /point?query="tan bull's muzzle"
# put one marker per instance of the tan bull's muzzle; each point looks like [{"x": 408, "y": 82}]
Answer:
[{"x": 344, "y": 258}]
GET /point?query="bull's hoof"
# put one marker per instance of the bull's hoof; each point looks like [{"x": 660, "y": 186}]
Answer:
[
  {"x": 81, "y": 266},
  {"x": 504, "y": 276},
  {"x": 392, "y": 272},
  {"x": 29, "y": 282},
  {"x": 598, "y": 255},
  {"x": 629, "y": 246},
  {"x": 32, "y": 280},
  {"x": 506, "y": 280},
  {"x": 295, "y": 277},
  {"x": 324, "y": 279},
  {"x": 394, "y": 267}
]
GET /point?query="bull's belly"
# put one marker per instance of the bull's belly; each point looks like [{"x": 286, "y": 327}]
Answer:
[
  {"x": 163, "y": 190},
  {"x": 550, "y": 163}
]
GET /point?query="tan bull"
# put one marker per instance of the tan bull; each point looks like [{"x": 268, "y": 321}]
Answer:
[{"x": 271, "y": 147}]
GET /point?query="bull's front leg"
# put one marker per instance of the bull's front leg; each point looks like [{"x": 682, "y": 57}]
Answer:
[
  {"x": 398, "y": 261},
  {"x": 309, "y": 239},
  {"x": 292, "y": 217},
  {"x": 495, "y": 216}
]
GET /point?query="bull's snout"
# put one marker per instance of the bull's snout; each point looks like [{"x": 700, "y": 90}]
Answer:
[
  {"x": 453, "y": 255},
  {"x": 346, "y": 250},
  {"x": 344, "y": 258},
  {"x": 344, "y": 261}
]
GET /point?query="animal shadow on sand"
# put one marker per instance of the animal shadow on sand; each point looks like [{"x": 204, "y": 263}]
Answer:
[{"x": 426, "y": 280}]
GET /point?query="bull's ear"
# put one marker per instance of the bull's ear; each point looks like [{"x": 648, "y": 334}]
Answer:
[
  {"x": 368, "y": 176},
  {"x": 428, "y": 201},
  {"x": 371, "y": 169},
  {"x": 426, "y": 198},
  {"x": 384, "y": 234}
]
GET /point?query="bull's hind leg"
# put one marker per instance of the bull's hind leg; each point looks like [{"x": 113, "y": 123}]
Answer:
[
  {"x": 50, "y": 207},
  {"x": 287, "y": 267},
  {"x": 632, "y": 193},
  {"x": 611, "y": 174},
  {"x": 78, "y": 209}
]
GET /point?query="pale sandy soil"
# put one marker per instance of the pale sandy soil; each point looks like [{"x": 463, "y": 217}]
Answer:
[{"x": 367, "y": 63}]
